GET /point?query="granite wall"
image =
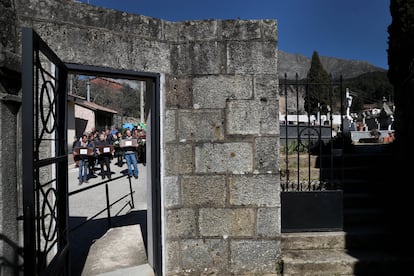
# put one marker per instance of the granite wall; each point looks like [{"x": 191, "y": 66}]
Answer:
[{"x": 219, "y": 124}]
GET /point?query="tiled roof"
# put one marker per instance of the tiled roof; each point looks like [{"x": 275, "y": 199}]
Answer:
[{"x": 93, "y": 106}]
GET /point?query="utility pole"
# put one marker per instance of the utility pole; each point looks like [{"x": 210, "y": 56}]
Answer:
[
  {"x": 141, "y": 102},
  {"x": 88, "y": 90}
]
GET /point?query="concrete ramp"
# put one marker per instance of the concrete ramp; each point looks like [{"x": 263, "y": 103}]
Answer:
[{"x": 121, "y": 251}]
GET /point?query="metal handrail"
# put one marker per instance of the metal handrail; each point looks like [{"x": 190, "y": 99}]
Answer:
[{"x": 108, "y": 204}]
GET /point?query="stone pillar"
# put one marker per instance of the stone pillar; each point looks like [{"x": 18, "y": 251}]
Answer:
[
  {"x": 221, "y": 182},
  {"x": 220, "y": 125},
  {"x": 10, "y": 85}
]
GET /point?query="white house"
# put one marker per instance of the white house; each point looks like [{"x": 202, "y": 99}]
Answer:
[{"x": 84, "y": 116}]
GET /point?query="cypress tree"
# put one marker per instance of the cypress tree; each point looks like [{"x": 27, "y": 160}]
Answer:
[
  {"x": 319, "y": 87},
  {"x": 401, "y": 75},
  {"x": 400, "y": 40},
  {"x": 401, "y": 66}
]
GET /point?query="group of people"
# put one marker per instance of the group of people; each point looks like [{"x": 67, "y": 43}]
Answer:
[{"x": 100, "y": 148}]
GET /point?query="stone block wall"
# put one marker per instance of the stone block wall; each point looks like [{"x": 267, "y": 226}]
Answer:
[
  {"x": 10, "y": 141},
  {"x": 221, "y": 149},
  {"x": 220, "y": 135}
]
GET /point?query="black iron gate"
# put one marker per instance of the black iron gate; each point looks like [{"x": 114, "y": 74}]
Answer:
[
  {"x": 310, "y": 143},
  {"x": 45, "y": 161}
]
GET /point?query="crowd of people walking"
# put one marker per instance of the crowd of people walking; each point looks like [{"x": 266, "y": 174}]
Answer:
[{"x": 102, "y": 147}]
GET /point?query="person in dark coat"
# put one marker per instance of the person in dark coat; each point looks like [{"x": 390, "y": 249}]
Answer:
[
  {"x": 81, "y": 150},
  {"x": 104, "y": 154},
  {"x": 119, "y": 154}
]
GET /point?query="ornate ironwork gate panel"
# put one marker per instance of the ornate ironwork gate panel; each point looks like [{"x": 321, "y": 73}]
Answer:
[
  {"x": 310, "y": 173},
  {"x": 45, "y": 161}
]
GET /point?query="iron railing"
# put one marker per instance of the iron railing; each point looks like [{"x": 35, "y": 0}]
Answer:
[
  {"x": 309, "y": 142},
  {"x": 109, "y": 205}
]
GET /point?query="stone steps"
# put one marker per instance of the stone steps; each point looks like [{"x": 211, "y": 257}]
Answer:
[
  {"x": 355, "y": 238},
  {"x": 364, "y": 247},
  {"x": 340, "y": 262},
  {"x": 317, "y": 262},
  {"x": 360, "y": 252},
  {"x": 313, "y": 240},
  {"x": 367, "y": 216},
  {"x": 368, "y": 238}
]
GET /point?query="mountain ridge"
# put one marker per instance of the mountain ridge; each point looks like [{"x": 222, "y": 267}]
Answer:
[{"x": 297, "y": 63}]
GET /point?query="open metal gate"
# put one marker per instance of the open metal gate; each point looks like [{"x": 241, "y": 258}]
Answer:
[
  {"x": 45, "y": 162},
  {"x": 45, "y": 157}
]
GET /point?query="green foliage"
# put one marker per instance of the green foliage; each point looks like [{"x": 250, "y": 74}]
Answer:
[
  {"x": 401, "y": 40},
  {"x": 369, "y": 88},
  {"x": 319, "y": 86},
  {"x": 130, "y": 102},
  {"x": 126, "y": 101},
  {"x": 104, "y": 96},
  {"x": 401, "y": 65},
  {"x": 293, "y": 147}
]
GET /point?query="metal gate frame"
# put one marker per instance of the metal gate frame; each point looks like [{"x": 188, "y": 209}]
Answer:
[
  {"x": 46, "y": 222},
  {"x": 306, "y": 204},
  {"x": 152, "y": 111},
  {"x": 45, "y": 162}
]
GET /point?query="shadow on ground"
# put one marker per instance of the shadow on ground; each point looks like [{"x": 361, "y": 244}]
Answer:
[{"x": 81, "y": 238}]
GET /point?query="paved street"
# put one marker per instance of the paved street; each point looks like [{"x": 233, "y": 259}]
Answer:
[{"x": 86, "y": 205}]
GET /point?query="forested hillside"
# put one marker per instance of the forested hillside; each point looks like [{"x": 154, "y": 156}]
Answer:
[
  {"x": 369, "y": 88},
  {"x": 300, "y": 64},
  {"x": 367, "y": 84}
]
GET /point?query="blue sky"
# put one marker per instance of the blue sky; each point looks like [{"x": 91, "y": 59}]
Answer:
[{"x": 350, "y": 29}]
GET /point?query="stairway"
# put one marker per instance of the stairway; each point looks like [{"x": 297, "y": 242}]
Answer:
[{"x": 366, "y": 245}]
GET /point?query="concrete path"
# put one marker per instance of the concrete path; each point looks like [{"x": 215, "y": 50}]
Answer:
[
  {"x": 120, "y": 251},
  {"x": 88, "y": 202},
  {"x": 90, "y": 205}
]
